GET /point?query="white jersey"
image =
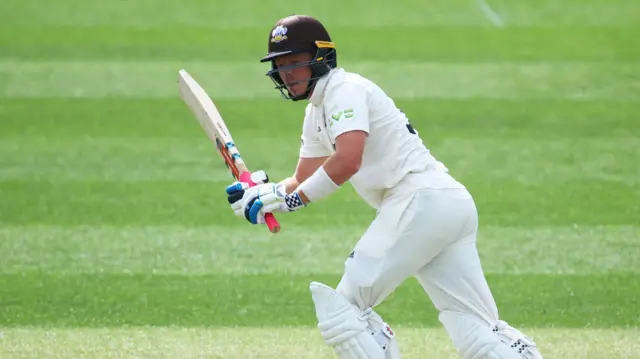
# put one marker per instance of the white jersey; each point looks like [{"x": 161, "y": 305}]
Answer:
[{"x": 343, "y": 101}]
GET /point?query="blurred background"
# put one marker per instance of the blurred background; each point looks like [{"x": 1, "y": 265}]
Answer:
[{"x": 116, "y": 240}]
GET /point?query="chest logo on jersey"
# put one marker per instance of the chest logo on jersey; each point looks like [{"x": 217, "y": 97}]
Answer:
[{"x": 346, "y": 114}]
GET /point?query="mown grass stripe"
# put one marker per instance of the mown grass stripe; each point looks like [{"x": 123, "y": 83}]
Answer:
[
  {"x": 213, "y": 15},
  {"x": 283, "y": 343},
  {"x": 202, "y": 203},
  {"x": 445, "y": 44},
  {"x": 437, "y": 120},
  {"x": 148, "y": 159},
  {"x": 238, "y": 249},
  {"x": 106, "y": 300},
  {"x": 247, "y": 80}
]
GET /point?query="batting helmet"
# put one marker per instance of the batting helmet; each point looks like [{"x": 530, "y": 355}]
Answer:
[{"x": 299, "y": 34}]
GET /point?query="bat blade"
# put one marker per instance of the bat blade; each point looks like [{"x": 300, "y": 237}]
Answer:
[{"x": 211, "y": 121}]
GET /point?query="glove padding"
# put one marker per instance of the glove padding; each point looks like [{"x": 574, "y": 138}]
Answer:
[
  {"x": 259, "y": 200},
  {"x": 237, "y": 191}
]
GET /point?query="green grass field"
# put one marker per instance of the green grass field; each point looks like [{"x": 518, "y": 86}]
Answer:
[{"x": 116, "y": 240}]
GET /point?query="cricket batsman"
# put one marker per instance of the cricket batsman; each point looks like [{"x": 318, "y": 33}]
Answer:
[{"x": 426, "y": 222}]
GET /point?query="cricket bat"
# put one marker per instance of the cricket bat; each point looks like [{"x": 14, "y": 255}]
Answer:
[{"x": 214, "y": 126}]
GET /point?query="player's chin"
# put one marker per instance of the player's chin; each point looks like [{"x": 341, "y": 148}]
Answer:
[{"x": 297, "y": 89}]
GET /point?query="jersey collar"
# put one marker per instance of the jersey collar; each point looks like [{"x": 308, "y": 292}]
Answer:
[{"x": 321, "y": 85}]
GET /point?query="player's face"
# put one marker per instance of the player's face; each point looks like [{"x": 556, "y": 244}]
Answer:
[{"x": 296, "y": 78}]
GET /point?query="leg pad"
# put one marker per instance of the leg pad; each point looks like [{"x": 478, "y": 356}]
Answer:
[
  {"x": 347, "y": 329},
  {"x": 474, "y": 339}
]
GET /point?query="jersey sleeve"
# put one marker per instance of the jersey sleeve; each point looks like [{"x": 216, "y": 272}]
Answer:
[
  {"x": 310, "y": 144},
  {"x": 347, "y": 109}
]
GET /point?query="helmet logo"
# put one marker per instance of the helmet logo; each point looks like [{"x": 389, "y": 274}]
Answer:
[{"x": 279, "y": 34}]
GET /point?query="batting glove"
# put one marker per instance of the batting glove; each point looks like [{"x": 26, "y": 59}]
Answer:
[
  {"x": 237, "y": 192},
  {"x": 269, "y": 198}
]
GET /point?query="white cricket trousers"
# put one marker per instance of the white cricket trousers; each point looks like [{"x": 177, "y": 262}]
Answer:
[{"x": 429, "y": 234}]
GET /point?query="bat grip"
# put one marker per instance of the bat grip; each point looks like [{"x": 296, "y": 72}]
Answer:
[{"x": 272, "y": 222}]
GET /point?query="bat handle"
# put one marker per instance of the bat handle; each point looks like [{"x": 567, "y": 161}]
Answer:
[{"x": 272, "y": 222}]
